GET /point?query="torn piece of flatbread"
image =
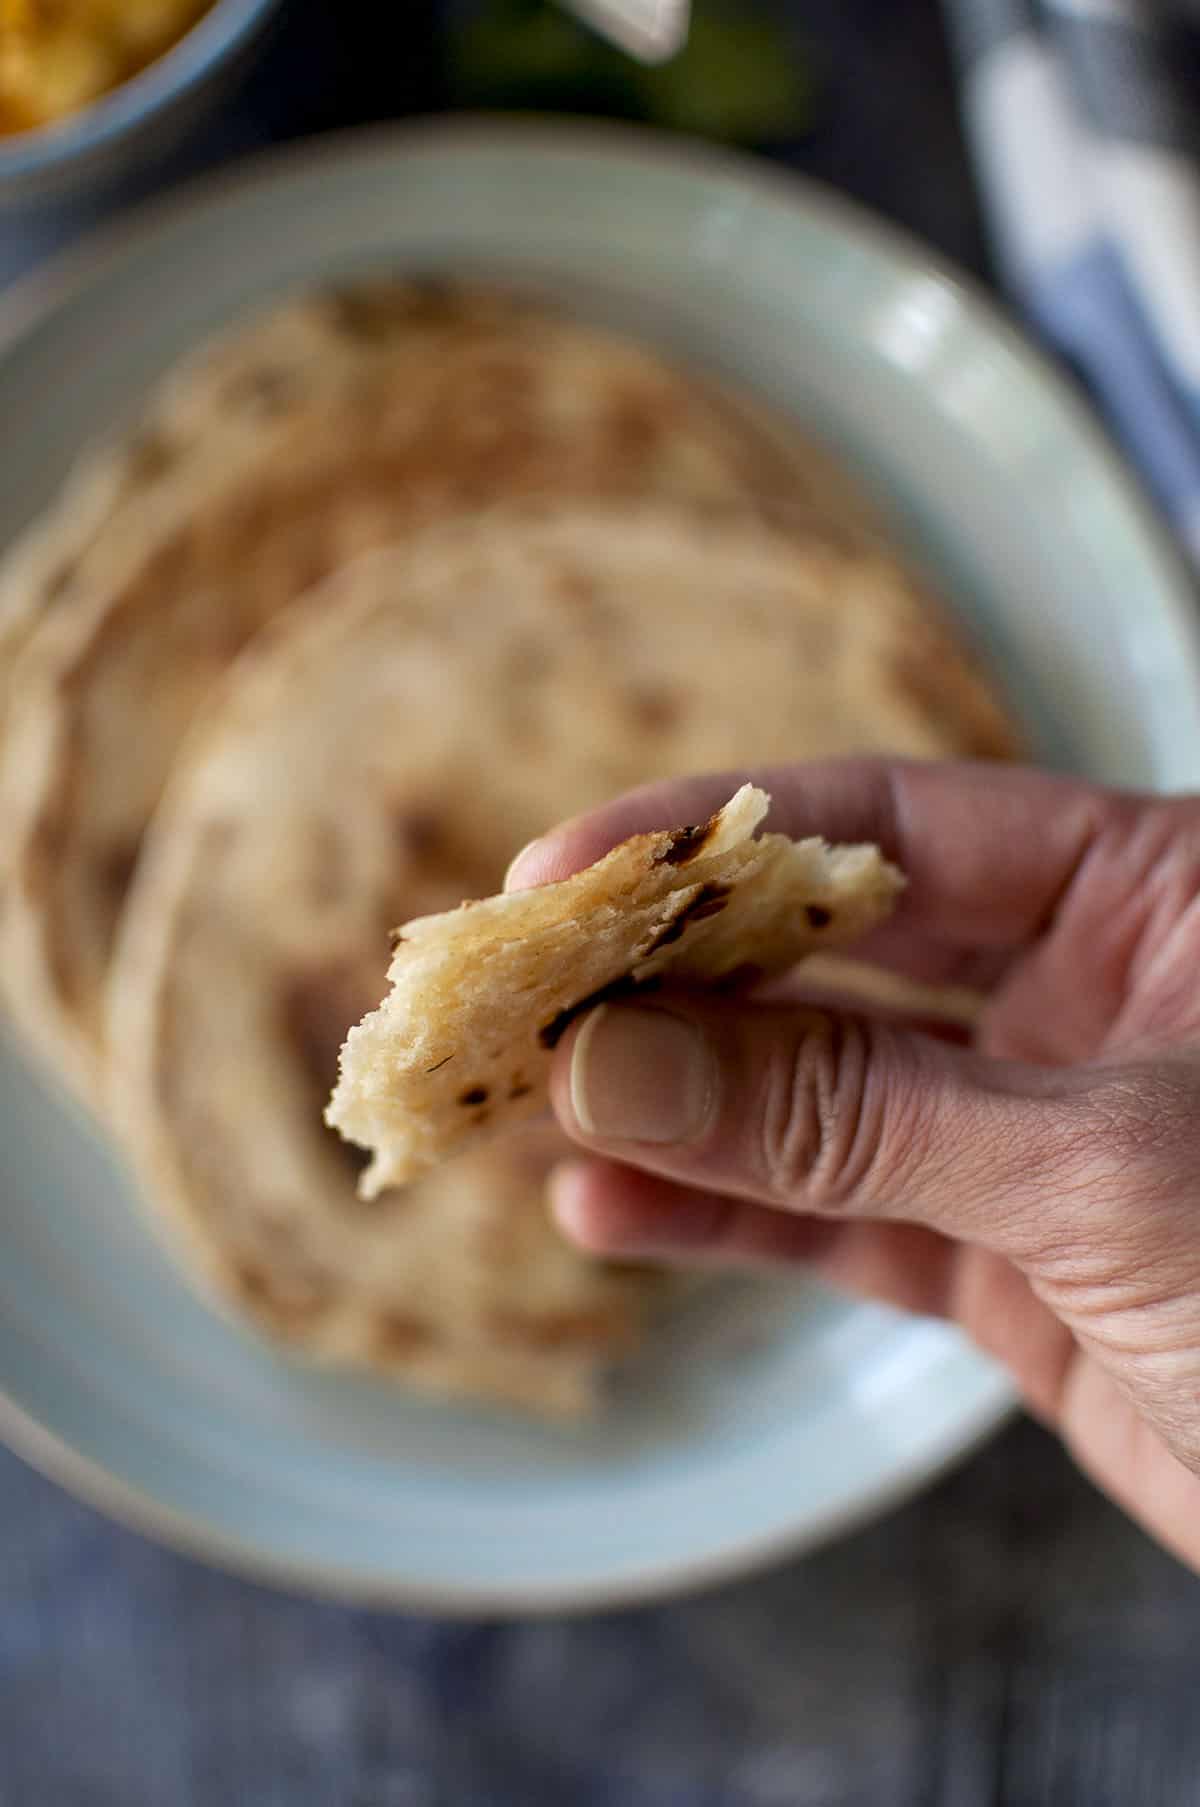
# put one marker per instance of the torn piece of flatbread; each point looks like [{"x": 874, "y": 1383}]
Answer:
[
  {"x": 481, "y": 995},
  {"x": 878, "y": 988}
]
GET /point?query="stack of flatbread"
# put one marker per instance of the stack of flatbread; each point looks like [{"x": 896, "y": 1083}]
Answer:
[{"x": 379, "y": 587}]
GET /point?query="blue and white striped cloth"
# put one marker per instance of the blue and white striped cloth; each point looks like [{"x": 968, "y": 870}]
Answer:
[{"x": 1084, "y": 120}]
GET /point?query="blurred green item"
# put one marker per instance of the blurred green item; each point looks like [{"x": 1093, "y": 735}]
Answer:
[{"x": 739, "y": 78}]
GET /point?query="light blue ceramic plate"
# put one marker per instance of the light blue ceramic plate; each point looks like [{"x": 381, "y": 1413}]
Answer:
[{"x": 780, "y": 1418}]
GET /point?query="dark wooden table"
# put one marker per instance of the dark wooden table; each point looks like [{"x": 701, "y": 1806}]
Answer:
[{"x": 1006, "y": 1641}]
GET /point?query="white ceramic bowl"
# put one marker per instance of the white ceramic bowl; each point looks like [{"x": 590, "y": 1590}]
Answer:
[
  {"x": 781, "y": 1418},
  {"x": 140, "y": 120}
]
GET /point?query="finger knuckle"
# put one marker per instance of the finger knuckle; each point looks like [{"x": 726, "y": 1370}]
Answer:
[{"x": 820, "y": 1124}]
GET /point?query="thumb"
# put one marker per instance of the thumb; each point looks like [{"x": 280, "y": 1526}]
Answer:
[{"x": 830, "y": 1115}]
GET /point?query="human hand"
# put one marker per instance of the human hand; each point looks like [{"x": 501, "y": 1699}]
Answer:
[{"x": 1040, "y": 1187}]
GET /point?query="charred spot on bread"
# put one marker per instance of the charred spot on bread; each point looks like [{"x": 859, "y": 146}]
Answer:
[
  {"x": 687, "y": 843},
  {"x": 710, "y": 900},
  {"x": 625, "y": 987}
]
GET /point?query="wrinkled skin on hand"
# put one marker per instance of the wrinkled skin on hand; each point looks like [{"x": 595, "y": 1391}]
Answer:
[{"x": 1039, "y": 1186}]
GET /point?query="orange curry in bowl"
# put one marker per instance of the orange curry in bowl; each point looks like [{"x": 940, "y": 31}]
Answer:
[{"x": 57, "y": 56}]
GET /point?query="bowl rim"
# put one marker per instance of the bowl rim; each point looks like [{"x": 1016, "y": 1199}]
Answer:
[
  {"x": 216, "y": 34},
  {"x": 37, "y": 294}
]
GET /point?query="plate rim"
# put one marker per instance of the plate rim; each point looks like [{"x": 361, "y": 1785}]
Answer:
[
  {"x": 37, "y": 294},
  {"x": 184, "y": 1534}
]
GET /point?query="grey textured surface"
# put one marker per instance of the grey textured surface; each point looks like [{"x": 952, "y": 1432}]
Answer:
[{"x": 1005, "y": 1641}]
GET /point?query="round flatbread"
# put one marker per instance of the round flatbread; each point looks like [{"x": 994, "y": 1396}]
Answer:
[
  {"x": 227, "y": 408},
  {"x": 465, "y": 403},
  {"x": 379, "y": 753},
  {"x": 461, "y": 1047}
]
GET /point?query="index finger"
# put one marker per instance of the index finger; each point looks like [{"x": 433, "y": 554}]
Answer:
[{"x": 989, "y": 850}]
